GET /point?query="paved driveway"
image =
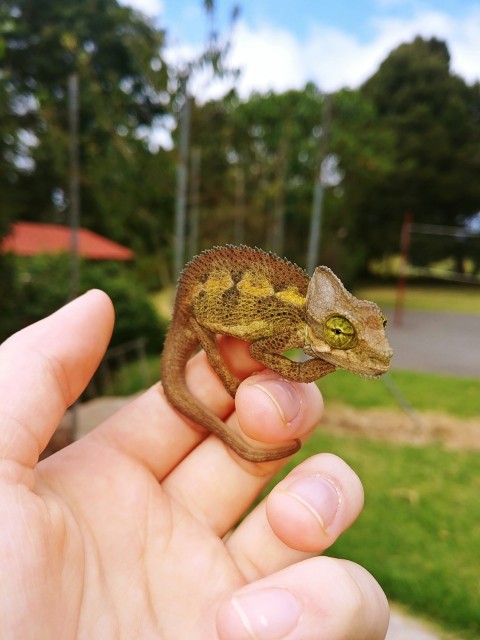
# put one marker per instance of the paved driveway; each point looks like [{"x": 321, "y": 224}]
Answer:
[{"x": 444, "y": 342}]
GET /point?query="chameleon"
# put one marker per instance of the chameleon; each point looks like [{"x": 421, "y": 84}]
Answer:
[{"x": 274, "y": 305}]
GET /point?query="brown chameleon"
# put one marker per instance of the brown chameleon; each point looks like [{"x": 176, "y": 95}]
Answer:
[{"x": 274, "y": 305}]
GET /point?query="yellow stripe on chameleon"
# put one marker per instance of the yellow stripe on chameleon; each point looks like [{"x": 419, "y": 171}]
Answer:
[
  {"x": 218, "y": 281},
  {"x": 291, "y": 295},
  {"x": 255, "y": 285},
  {"x": 252, "y": 331}
]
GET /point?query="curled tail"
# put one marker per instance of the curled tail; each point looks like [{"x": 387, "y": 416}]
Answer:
[{"x": 180, "y": 343}]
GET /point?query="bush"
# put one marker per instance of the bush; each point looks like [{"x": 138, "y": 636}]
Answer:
[{"x": 41, "y": 284}]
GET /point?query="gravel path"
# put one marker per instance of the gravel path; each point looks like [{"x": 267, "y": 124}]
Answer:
[{"x": 403, "y": 627}]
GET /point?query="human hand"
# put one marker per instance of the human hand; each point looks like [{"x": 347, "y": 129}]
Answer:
[{"x": 123, "y": 533}]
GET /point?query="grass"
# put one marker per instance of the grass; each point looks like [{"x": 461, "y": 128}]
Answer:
[
  {"x": 424, "y": 391},
  {"x": 420, "y": 530},
  {"x": 457, "y": 298}
]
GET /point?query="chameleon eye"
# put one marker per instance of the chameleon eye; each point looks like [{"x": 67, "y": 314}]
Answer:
[{"x": 339, "y": 333}]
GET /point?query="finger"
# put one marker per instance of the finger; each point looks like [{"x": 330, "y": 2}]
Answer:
[
  {"x": 317, "y": 599},
  {"x": 152, "y": 432},
  {"x": 158, "y": 437},
  {"x": 43, "y": 370},
  {"x": 303, "y": 515},
  {"x": 218, "y": 486},
  {"x": 236, "y": 354}
]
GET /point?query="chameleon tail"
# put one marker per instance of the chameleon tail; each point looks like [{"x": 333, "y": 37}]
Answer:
[{"x": 174, "y": 358}]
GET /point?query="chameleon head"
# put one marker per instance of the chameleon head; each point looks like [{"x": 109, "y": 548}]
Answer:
[{"x": 343, "y": 330}]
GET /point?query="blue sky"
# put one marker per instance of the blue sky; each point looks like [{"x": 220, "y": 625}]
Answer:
[{"x": 335, "y": 43}]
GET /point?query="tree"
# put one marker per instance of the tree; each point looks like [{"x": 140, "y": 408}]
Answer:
[
  {"x": 117, "y": 56},
  {"x": 211, "y": 59},
  {"x": 435, "y": 119},
  {"x": 274, "y": 142},
  {"x": 263, "y": 155}
]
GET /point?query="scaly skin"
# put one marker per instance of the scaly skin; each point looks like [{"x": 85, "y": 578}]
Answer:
[{"x": 273, "y": 304}]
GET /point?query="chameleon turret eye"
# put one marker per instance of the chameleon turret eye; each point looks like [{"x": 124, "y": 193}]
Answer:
[{"x": 339, "y": 333}]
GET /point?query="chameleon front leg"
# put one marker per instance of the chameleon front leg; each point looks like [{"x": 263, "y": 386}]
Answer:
[
  {"x": 209, "y": 344},
  {"x": 269, "y": 351}
]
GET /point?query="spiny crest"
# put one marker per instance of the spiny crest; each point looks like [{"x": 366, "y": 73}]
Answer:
[{"x": 242, "y": 256}]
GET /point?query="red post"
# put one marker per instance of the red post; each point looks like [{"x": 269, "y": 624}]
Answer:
[{"x": 402, "y": 276}]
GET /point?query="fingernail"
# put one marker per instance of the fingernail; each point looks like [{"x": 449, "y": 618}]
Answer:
[
  {"x": 283, "y": 396},
  {"x": 319, "y": 495},
  {"x": 269, "y": 614}
]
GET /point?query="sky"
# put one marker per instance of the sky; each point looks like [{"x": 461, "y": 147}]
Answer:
[{"x": 282, "y": 44}]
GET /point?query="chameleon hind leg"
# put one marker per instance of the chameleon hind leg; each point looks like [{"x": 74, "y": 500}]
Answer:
[{"x": 208, "y": 342}]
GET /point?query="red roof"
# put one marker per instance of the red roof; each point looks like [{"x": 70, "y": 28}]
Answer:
[{"x": 33, "y": 238}]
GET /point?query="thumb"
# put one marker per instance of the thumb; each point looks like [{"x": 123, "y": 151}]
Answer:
[{"x": 43, "y": 370}]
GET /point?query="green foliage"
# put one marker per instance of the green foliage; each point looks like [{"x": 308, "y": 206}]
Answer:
[
  {"x": 116, "y": 54},
  {"x": 135, "y": 314},
  {"x": 408, "y": 139},
  {"x": 263, "y": 155},
  {"x": 41, "y": 285},
  {"x": 433, "y": 116},
  {"x": 133, "y": 377},
  {"x": 365, "y": 152}
]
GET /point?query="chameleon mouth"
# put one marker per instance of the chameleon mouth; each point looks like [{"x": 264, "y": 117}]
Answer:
[
  {"x": 379, "y": 364},
  {"x": 372, "y": 365},
  {"x": 373, "y": 376}
]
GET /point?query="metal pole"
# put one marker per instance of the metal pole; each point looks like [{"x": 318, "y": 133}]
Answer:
[
  {"x": 402, "y": 278},
  {"x": 317, "y": 206},
  {"x": 182, "y": 181},
  {"x": 74, "y": 209},
  {"x": 196, "y": 160},
  {"x": 239, "y": 228}
]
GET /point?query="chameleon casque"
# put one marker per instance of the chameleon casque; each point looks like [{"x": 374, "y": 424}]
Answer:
[{"x": 275, "y": 306}]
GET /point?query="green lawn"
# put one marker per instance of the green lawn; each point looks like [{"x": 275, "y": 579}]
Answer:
[
  {"x": 424, "y": 391},
  {"x": 419, "y": 533},
  {"x": 459, "y": 298}
]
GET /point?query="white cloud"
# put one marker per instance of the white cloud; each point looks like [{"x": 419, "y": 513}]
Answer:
[
  {"x": 274, "y": 59},
  {"x": 151, "y": 8},
  {"x": 461, "y": 34},
  {"x": 269, "y": 58}
]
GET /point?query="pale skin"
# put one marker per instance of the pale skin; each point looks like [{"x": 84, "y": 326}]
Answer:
[{"x": 123, "y": 534}]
